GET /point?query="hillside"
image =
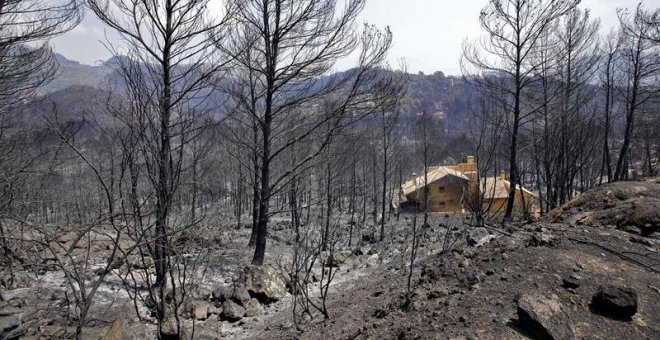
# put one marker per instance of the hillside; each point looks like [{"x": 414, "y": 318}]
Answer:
[
  {"x": 73, "y": 73},
  {"x": 444, "y": 97}
]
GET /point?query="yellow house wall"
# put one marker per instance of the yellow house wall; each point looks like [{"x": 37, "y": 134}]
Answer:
[
  {"x": 498, "y": 205},
  {"x": 451, "y": 196}
]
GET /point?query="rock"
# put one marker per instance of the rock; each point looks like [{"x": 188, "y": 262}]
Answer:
[
  {"x": 11, "y": 327},
  {"x": 116, "y": 330},
  {"x": 252, "y": 307},
  {"x": 241, "y": 295},
  {"x": 137, "y": 262},
  {"x": 222, "y": 293},
  {"x": 463, "y": 263},
  {"x": 642, "y": 240},
  {"x": 630, "y": 229},
  {"x": 215, "y": 310},
  {"x": 573, "y": 281},
  {"x": 473, "y": 279},
  {"x": 338, "y": 258},
  {"x": 615, "y": 302},
  {"x": 200, "y": 310},
  {"x": 265, "y": 283},
  {"x": 543, "y": 240},
  {"x": 369, "y": 238},
  {"x": 476, "y": 237},
  {"x": 169, "y": 329},
  {"x": 232, "y": 311},
  {"x": 438, "y": 292},
  {"x": 543, "y": 317},
  {"x": 19, "y": 293},
  {"x": 17, "y": 280},
  {"x": 67, "y": 237}
]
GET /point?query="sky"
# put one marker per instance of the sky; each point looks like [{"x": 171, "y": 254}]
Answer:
[{"x": 428, "y": 34}]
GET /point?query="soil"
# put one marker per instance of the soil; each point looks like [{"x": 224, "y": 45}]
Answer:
[{"x": 469, "y": 291}]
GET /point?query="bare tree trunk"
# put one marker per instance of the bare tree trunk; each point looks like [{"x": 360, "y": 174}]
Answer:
[{"x": 328, "y": 204}]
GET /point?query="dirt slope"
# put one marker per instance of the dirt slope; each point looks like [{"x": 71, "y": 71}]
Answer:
[{"x": 473, "y": 293}]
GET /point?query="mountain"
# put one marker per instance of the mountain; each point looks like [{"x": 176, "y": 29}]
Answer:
[
  {"x": 444, "y": 97},
  {"x": 73, "y": 73},
  {"x": 72, "y": 104}
]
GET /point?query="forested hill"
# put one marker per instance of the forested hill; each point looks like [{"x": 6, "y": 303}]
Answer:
[{"x": 442, "y": 96}]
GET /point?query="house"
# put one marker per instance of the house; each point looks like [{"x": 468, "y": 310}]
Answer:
[
  {"x": 446, "y": 191},
  {"x": 459, "y": 188},
  {"x": 495, "y": 196}
]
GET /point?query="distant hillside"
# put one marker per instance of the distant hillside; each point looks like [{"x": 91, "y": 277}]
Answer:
[
  {"x": 73, "y": 73},
  {"x": 443, "y": 97},
  {"x": 74, "y": 103}
]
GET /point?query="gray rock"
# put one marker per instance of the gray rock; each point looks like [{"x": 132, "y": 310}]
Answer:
[
  {"x": 265, "y": 283},
  {"x": 169, "y": 329},
  {"x": 11, "y": 327},
  {"x": 338, "y": 258},
  {"x": 222, "y": 293},
  {"x": 615, "y": 302},
  {"x": 544, "y": 317},
  {"x": 476, "y": 237},
  {"x": 241, "y": 295},
  {"x": 252, "y": 307},
  {"x": 19, "y": 293},
  {"x": 200, "y": 310},
  {"x": 543, "y": 240},
  {"x": 573, "y": 281},
  {"x": 232, "y": 311}
]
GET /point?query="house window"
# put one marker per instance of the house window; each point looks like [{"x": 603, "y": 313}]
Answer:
[
  {"x": 441, "y": 204},
  {"x": 441, "y": 189}
]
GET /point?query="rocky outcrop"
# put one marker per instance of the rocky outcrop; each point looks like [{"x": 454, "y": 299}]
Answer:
[
  {"x": 543, "y": 317},
  {"x": 264, "y": 283}
]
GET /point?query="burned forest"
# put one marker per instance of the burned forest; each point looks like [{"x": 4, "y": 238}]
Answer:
[{"x": 324, "y": 169}]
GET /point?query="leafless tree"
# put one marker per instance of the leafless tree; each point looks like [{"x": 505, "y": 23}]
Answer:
[
  {"x": 640, "y": 66},
  {"x": 513, "y": 30},
  {"x": 169, "y": 65},
  {"x": 285, "y": 51},
  {"x": 611, "y": 47},
  {"x": 392, "y": 91},
  {"x": 26, "y": 62}
]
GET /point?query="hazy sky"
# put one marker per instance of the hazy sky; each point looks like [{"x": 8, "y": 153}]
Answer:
[{"x": 428, "y": 34}]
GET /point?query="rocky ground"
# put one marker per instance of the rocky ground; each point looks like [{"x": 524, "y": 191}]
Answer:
[
  {"x": 539, "y": 280},
  {"x": 583, "y": 272}
]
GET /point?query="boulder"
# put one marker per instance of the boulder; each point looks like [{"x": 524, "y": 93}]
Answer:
[
  {"x": 232, "y": 311},
  {"x": 252, "y": 307},
  {"x": 116, "y": 331},
  {"x": 19, "y": 293},
  {"x": 338, "y": 258},
  {"x": 543, "y": 317},
  {"x": 169, "y": 329},
  {"x": 200, "y": 310},
  {"x": 11, "y": 327},
  {"x": 241, "y": 295},
  {"x": 265, "y": 283},
  {"x": 222, "y": 293},
  {"x": 615, "y": 302},
  {"x": 541, "y": 239}
]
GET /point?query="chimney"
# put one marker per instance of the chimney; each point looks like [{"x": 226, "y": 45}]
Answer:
[
  {"x": 470, "y": 159},
  {"x": 502, "y": 175}
]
